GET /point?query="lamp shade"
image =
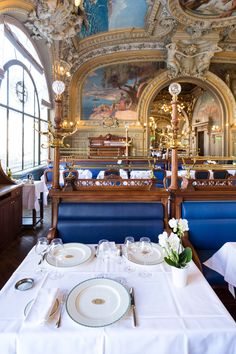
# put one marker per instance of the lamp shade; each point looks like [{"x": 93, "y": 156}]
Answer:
[
  {"x": 174, "y": 89},
  {"x": 58, "y": 87}
]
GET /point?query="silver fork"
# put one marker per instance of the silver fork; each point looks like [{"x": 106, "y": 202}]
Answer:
[{"x": 63, "y": 300}]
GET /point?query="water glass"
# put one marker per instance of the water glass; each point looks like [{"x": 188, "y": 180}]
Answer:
[
  {"x": 103, "y": 253},
  {"x": 146, "y": 249},
  {"x": 56, "y": 255},
  {"x": 41, "y": 249},
  {"x": 129, "y": 250}
]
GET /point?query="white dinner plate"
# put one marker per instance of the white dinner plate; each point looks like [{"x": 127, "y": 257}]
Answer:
[
  {"x": 71, "y": 255},
  {"x": 138, "y": 257},
  {"x": 98, "y": 302}
]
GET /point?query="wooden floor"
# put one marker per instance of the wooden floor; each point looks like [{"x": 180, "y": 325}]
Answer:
[{"x": 11, "y": 258}]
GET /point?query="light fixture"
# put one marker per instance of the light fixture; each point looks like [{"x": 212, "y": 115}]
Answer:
[
  {"x": 58, "y": 87},
  {"x": 174, "y": 89},
  {"x": 77, "y": 3}
]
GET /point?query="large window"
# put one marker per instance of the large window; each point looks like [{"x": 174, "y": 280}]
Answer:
[{"x": 22, "y": 114}]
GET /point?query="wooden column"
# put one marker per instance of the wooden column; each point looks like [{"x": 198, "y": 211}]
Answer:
[
  {"x": 174, "y": 90},
  {"x": 56, "y": 145}
]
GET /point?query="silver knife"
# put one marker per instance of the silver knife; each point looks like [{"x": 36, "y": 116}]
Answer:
[{"x": 133, "y": 307}]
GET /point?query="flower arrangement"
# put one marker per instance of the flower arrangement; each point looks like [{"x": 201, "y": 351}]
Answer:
[{"x": 175, "y": 254}]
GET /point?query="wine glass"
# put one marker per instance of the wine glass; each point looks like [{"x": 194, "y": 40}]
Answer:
[
  {"x": 146, "y": 249},
  {"x": 56, "y": 255},
  {"x": 103, "y": 253},
  {"x": 129, "y": 250},
  {"x": 41, "y": 248}
]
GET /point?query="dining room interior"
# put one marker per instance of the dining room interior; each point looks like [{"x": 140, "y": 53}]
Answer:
[{"x": 117, "y": 176}]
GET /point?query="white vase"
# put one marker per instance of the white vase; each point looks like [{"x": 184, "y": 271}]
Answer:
[{"x": 179, "y": 276}]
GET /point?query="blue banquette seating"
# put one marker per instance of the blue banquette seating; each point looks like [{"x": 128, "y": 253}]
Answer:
[
  {"x": 211, "y": 224},
  {"x": 88, "y": 222}
]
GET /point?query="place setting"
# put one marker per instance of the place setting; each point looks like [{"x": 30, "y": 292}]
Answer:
[{"x": 61, "y": 255}]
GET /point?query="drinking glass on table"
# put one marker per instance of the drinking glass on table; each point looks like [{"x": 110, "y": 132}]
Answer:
[
  {"x": 103, "y": 253},
  {"x": 56, "y": 256},
  {"x": 129, "y": 249},
  {"x": 41, "y": 248},
  {"x": 146, "y": 249}
]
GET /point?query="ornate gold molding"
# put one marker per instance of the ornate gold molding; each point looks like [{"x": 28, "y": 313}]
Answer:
[
  {"x": 211, "y": 82},
  {"x": 198, "y": 21},
  {"x": 22, "y": 6}
]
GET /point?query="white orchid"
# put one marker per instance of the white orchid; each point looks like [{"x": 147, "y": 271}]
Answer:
[
  {"x": 173, "y": 224},
  {"x": 179, "y": 226},
  {"x": 174, "y": 242},
  {"x": 175, "y": 254}
]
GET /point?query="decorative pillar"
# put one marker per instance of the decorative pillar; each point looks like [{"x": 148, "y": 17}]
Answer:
[
  {"x": 174, "y": 90},
  {"x": 126, "y": 141},
  {"x": 58, "y": 88}
]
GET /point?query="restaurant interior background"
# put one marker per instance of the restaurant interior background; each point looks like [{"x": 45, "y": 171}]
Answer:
[
  {"x": 117, "y": 69},
  {"x": 89, "y": 81}
]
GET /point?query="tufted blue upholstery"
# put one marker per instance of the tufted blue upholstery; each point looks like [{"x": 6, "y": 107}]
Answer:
[
  {"x": 211, "y": 224},
  {"x": 90, "y": 222}
]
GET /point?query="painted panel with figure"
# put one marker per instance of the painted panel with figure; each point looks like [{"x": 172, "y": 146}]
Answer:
[
  {"x": 210, "y": 8},
  {"x": 207, "y": 109},
  {"x": 106, "y": 15},
  {"x": 114, "y": 91}
]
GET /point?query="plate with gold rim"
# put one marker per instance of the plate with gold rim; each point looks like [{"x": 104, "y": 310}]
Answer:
[
  {"x": 139, "y": 257},
  {"x": 71, "y": 255},
  {"x": 98, "y": 302}
]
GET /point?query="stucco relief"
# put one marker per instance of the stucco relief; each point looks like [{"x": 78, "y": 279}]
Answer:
[{"x": 189, "y": 59}]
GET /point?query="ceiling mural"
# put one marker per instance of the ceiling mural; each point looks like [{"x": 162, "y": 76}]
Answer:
[
  {"x": 114, "y": 91},
  {"x": 106, "y": 15},
  {"x": 210, "y": 8}
]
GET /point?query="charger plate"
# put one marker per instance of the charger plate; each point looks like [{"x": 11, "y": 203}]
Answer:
[
  {"x": 71, "y": 255},
  {"x": 138, "y": 257},
  {"x": 98, "y": 302}
]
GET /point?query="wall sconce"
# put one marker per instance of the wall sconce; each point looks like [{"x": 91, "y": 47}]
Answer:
[{"x": 216, "y": 129}]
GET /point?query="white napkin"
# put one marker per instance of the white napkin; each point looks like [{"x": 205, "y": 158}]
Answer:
[{"x": 42, "y": 306}]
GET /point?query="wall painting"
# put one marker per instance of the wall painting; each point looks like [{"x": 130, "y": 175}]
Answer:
[{"x": 114, "y": 91}]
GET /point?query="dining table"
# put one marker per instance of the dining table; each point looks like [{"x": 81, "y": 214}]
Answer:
[
  {"x": 186, "y": 320},
  {"x": 34, "y": 198},
  {"x": 223, "y": 262}
]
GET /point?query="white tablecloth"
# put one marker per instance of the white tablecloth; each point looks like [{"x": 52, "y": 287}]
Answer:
[
  {"x": 123, "y": 174},
  {"x": 83, "y": 174},
  {"x": 182, "y": 173},
  {"x": 31, "y": 194},
  {"x": 224, "y": 262},
  {"x": 189, "y": 320},
  {"x": 141, "y": 174}
]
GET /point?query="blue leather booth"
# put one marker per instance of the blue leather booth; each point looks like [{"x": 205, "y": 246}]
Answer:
[
  {"x": 211, "y": 224},
  {"x": 88, "y": 222}
]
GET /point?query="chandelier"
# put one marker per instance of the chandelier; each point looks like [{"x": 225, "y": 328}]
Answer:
[{"x": 55, "y": 20}]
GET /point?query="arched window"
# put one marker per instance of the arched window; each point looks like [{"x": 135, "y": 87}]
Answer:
[{"x": 23, "y": 93}]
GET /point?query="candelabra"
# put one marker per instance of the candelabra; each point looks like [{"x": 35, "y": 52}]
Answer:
[
  {"x": 128, "y": 142},
  {"x": 174, "y": 90},
  {"x": 58, "y": 131}
]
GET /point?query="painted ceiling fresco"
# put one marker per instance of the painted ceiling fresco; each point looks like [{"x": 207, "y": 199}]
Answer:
[
  {"x": 210, "y": 8},
  {"x": 106, "y": 15}
]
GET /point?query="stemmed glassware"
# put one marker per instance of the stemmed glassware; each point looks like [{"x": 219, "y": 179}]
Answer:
[
  {"x": 56, "y": 255},
  {"x": 129, "y": 249},
  {"x": 146, "y": 249},
  {"x": 41, "y": 248},
  {"x": 103, "y": 253}
]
